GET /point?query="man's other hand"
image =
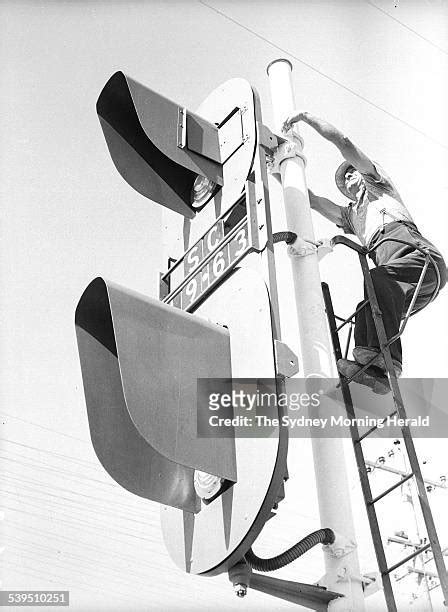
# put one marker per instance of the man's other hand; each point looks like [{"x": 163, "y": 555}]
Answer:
[{"x": 293, "y": 118}]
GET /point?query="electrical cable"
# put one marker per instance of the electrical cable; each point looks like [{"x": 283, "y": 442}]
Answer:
[
  {"x": 60, "y": 433},
  {"x": 46, "y": 468},
  {"x": 329, "y": 78},
  {"x": 81, "y": 510},
  {"x": 433, "y": 44},
  {"x": 286, "y": 236},
  {"x": 35, "y": 484},
  {"x": 43, "y": 533},
  {"x": 47, "y": 452},
  {"x": 36, "y": 574},
  {"x": 74, "y": 524},
  {"x": 65, "y": 564},
  {"x": 44, "y": 576},
  {"x": 321, "y": 536},
  {"x": 141, "y": 578}
]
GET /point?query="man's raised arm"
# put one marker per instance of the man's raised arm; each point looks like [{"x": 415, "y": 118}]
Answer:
[{"x": 348, "y": 149}]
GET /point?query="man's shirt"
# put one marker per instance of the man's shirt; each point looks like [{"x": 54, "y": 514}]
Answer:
[{"x": 379, "y": 204}]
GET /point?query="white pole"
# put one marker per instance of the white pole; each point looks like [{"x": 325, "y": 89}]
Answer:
[{"x": 343, "y": 573}]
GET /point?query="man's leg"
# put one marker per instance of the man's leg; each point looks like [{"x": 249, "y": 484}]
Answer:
[
  {"x": 394, "y": 285},
  {"x": 360, "y": 335},
  {"x": 395, "y": 280},
  {"x": 391, "y": 295}
]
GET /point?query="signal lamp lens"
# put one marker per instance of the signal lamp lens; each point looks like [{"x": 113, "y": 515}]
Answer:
[
  {"x": 203, "y": 190},
  {"x": 206, "y": 485}
]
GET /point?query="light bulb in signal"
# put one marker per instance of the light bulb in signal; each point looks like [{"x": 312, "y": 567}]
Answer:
[{"x": 203, "y": 190}]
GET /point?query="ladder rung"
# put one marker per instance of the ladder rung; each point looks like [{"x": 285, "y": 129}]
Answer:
[
  {"x": 350, "y": 318},
  {"x": 394, "y": 486},
  {"x": 372, "y": 429},
  {"x": 408, "y": 558}
]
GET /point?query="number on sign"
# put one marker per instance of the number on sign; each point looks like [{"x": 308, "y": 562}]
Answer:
[
  {"x": 219, "y": 263},
  {"x": 241, "y": 240},
  {"x": 190, "y": 292}
]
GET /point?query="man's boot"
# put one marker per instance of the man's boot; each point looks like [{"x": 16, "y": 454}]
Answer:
[{"x": 372, "y": 377}]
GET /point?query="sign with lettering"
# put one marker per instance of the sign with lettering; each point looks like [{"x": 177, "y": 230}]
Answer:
[{"x": 206, "y": 263}]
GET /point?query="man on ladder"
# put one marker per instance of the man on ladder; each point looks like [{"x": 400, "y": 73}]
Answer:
[{"x": 376, "y": 211}]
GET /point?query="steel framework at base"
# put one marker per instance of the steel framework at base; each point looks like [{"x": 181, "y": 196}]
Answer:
[{"x": 310, "y": 596}]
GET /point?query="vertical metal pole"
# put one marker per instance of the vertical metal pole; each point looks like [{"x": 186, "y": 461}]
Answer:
[{"x": 342, "y": 574}]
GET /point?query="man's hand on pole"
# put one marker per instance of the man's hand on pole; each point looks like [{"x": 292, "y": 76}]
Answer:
[{"x": 293, "y": 118}]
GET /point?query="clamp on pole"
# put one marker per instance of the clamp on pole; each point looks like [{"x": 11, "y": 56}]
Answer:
[
  {"x": 286, "y": 149},
  {"x": 301, "y": 247},
  {"x": 341, "y": 546}
]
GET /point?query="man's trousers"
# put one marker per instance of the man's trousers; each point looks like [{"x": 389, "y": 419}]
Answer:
[{"x": 395, "y": 277}]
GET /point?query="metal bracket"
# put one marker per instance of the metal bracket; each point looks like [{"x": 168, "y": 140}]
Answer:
[
  {"x": 311, "y": 596},
  {"x": 371, "y": 583},
  {"x": 231, "y": 135},
  {"x": 301, "y": 248},
  {"x": 256, "y": 215},
  {"x": 341, "y": 546},
  {"x": 324, "y": 246},
  {"x": 287, "y": 149},
  {"x": 164, "y": 286},
  {"x": 181, "y": 127},
  {"x": 285, "y": 359},
  {"x": 268, "y": 140}
]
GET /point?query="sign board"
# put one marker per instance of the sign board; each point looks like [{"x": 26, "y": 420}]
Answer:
[{"x": 223, "y": 245}]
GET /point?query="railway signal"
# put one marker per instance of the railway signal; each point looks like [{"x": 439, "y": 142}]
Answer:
[{"x": 217, "y": 318}]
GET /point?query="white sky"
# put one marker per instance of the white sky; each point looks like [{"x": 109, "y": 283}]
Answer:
[{"x": 377, "y": 71}]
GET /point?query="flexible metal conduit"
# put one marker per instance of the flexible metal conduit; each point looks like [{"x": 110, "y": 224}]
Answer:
[
  {"x": 321, "y": 536},
  {"x": 287, "y": 237}
]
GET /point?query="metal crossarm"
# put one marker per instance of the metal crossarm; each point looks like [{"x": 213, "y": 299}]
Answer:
[
  {"x": 416, "y": 552},
  {"x": 392, "y": 488},
  {"x": 336, "y": 323}
]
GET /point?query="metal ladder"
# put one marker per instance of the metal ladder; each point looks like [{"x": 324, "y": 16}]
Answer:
[{"x": 336, "y": 324}]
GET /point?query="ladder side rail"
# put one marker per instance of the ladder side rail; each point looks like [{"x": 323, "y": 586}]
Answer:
[
  {"x": 359, "y": 456},
  {"x": 363, "y": 250},
  {"x": 410, "y": 448},
  {"x": 414, "y": 298},
  {"x": 347, "y": 344}
]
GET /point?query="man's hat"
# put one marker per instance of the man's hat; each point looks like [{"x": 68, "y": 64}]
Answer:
[{"x": 339, "y": 177}]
